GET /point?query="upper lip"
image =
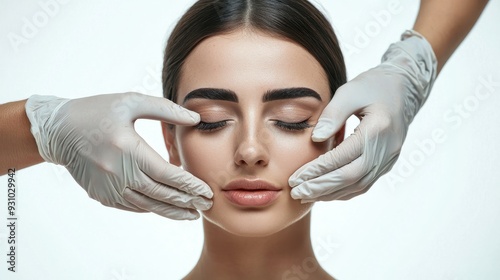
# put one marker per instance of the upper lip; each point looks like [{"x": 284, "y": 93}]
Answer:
[{"x": 250, "y": 185}]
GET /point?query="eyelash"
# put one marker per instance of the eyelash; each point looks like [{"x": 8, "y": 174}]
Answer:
[
  {"x": 207, "y": 127},
  {"x": 298, "y": 126}
]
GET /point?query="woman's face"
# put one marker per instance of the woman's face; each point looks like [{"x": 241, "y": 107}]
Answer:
[{"x": 258, "y": 97}]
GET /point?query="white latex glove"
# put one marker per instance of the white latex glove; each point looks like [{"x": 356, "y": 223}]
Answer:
[
  {"x": 94, "y": 138},
  {"x": 386, "y": 99}
]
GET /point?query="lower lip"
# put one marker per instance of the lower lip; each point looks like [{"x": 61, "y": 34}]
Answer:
[{"x": 258, "y": 198}]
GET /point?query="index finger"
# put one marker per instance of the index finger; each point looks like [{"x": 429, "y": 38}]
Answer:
[
  {"x": 158, "y": 169},
  {"x": 347, "y": 151},
  {"x": 161, "y": 109}
]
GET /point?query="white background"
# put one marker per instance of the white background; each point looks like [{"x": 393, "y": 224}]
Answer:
[{"x": 439, "y": 220}]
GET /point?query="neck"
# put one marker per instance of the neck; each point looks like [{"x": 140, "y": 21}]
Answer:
[{"x": 283, "y": 255}]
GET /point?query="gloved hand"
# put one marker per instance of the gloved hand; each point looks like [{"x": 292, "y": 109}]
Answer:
[
  {"x": 94, "y": 138},
  {"x": 386, "y": 99}
]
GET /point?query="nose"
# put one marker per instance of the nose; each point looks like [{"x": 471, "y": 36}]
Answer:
[{"x": 252, "y": 148}]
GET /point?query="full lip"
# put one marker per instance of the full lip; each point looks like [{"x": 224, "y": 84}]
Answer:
[
  {"x": 251, "y": 193},
  {"x": 250, "y": 185}
]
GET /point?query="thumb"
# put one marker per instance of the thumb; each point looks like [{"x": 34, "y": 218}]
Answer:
[
  {"x": 335, "y": 114},
  {"x": 161, "y": 109}
]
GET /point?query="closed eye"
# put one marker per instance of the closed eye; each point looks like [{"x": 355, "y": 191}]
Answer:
[
  {"x": 298, "y": 126},
  {"x": 210, "y": 126},
  {"x": 288, "y": 126}
]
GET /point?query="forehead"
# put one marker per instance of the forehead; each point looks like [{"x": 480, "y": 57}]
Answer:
[{"x": 250, "y": 61}]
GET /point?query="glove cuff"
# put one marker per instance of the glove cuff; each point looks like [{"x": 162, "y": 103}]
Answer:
[
  {"x": 414, "y": 55},
  {"x": 41, "y": 111}
]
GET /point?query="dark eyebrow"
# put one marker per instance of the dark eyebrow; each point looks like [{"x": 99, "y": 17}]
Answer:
[
  {"x": 289, "y": 93},
  {"x": 270, "y": 95},
  {"x": 213, "y": 94}
]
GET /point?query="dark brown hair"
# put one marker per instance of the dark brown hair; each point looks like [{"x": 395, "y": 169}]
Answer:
[{"x": 296, "y": 20}]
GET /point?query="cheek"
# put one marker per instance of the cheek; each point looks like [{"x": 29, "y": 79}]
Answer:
[
  {"x": 291, "y": 152},
  {"x": 206, "y": 157}
]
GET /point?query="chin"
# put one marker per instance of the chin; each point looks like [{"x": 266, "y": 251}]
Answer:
[{"x": 257, "y": 222}]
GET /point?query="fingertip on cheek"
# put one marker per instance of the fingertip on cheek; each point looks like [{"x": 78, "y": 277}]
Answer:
[{"x": 295, "y": 194}]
